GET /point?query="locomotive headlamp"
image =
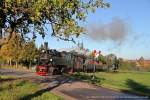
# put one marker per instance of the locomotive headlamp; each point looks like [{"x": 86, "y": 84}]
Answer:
[
  {"x": 35, "y": 60},
  {"x": 51, "y": 59},
  {"x": 43, "y": 51}
]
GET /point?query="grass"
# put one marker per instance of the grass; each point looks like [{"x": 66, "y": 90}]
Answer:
[
  {"x": 135, "y": 82},
  {"x": 19, "y": 89}
]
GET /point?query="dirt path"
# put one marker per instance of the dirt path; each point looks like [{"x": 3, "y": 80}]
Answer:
[
  {"x": 44, "y": 81},
  {"x": 70, "y": 89}
]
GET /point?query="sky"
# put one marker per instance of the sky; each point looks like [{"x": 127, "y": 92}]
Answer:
[{"x": 131, "y": 19}]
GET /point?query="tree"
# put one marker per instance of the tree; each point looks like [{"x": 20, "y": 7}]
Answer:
[
  {"x": 102, "y": 59},
  {"x": 110, "y": 61},
  {"x": 2, "y": 61},
  {"x": 17, "y": 51},
  {"x": 120, "y": 60},
  {"x": 29, "y": 53},
  {"x": 11, "y": 50},
  {"x": 34, "y": 16},
  {"x": 127, "y": 65},
  {"x": 141, "y": 61},
  {"x": 116, "y": 63}
]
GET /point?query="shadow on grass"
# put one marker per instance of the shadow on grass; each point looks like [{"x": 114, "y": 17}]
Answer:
[
  {"x": 89, "y": 78},
  {"x": 38, "y": 93},
  {"x": 42, "y": 91},
  {"x": 137, "y": 88}
]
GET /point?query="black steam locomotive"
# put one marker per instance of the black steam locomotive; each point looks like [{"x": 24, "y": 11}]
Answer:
[{"x": 51, "y": 61}]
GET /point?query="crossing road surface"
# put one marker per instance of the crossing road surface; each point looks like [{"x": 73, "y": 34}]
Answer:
[{"x": 71, "y": 89}]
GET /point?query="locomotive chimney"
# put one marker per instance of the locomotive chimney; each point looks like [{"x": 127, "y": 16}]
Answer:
[{"x": 46, "y": 46}]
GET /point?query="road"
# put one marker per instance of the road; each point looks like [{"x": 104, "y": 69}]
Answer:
[{"x": 71, "y": 89}]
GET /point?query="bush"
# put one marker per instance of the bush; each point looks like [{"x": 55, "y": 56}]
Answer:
[{"x": 126, "y": 65}]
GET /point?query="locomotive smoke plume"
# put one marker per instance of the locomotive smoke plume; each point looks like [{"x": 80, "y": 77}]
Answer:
[{"x": 116, "y": 30}]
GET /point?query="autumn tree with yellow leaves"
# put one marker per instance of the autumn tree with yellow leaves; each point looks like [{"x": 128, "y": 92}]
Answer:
[{"x": 16, "y": 50}]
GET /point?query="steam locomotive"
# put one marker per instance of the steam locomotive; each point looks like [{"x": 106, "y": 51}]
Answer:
[{"x": 51, "y": 62}]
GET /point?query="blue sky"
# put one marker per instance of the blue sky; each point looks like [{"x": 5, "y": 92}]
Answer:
[{"x": 136, "y": 43}]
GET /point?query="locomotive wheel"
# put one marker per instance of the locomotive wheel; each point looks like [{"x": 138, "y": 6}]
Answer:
[{"x": 55, "y": 72}]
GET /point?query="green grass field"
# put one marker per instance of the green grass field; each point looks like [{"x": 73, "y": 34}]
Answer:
[
  {"x": 19, "y": 89},
  {"x": 135, "y": 82}
]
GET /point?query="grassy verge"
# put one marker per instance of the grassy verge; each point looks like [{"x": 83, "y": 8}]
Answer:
[
  {"x": 19, "y": 89},
  {"x": 134, "y": 82}
]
